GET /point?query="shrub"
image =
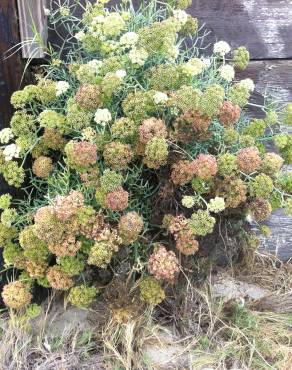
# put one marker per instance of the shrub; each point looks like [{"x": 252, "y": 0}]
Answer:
[{"x": 131, "y": 134}]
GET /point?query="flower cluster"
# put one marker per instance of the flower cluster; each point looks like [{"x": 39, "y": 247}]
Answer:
[
  {"x": 163, "y": 264},
  {"x": 81, "y": 155},
  {"x": 16, "y": 295},
  {"x": 151, "y": 291},
  {"x": 82, "y": 296}
]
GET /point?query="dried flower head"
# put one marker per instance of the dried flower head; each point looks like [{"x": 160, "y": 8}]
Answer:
[
  {"x": 233, "y": 190},
  {"x": 88, "y": 96},
  {"x": 117, "y": 200},
  {"x": 67, "y": 247},
  {"x": 81, "y": 154},
  {"x": 260, "y": 209},
  {"x": 229, "y": 114},
  {"x": 67, "y": 206},
  {"x": 117, "y": 155},
  {"x": 150, "y": 128},
  {"x": 58, "y": 279},
  {"x": 42, "y": 167},
  {"x": 52, "y": 139},
  {"x": 36, "y": 269},
  {"x": 182, "y": 172},
  {"x": 186, "y": 243},
  {"x": 163, "y": 264},
  {"x": 16, "y": 295},
  {"x": 129, "y": 227},
  {"x": 248, "y": 159},
  {"x": 205, "y": 166},
  {"x": 47, "y": 226},
  {"x": 188, "y": 124}
]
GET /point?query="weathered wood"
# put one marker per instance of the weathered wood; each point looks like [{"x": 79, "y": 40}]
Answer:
[
  {"x": 280, "y": 242},
  {"x": 33, "y": 27},
  {"x": 263, "y": 26},
  {"x": 10, "y": 68},
  {"x": 273, "y": 75}
]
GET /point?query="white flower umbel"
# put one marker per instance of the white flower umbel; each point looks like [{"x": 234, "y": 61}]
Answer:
[
  {"x": 95, "y": 64},
  {"x": 216, "y": 205},
  {"x": 138, "y": 56},
  {"x": 6, "y": 135},
  {"x": 129, "y": 39},
  {"x": 222, "y": 48},
  {"x": 188, "y": 201},
  {"x": 160, "y": 97},
  {"x": 207, "y": 62},
  {"x": 64, "y": 11},
  {"x": 248, "y": 84},
  {"x": 102, "y": 116},
  {"x": 88, "y": 134},
  {"x": 193, "y": 67},
  {"x": 62, "y": 87},
  {"x": 249, "y": 218},
  {"x": 121, "y": 73},
  {"x": 98, "y": 19},
  {"x": 227, "y": 72},
  {"x": 11, "y": 151},
  {"x": 47, "y": 12},
  {"x": 173, "y": 53},
  {"x": 79, "y": 35},
  {"x": 181, "y": 16}
]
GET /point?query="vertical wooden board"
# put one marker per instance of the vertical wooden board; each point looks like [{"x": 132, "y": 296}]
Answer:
[
  {"x": 10, "y": 67},
  {"x": 32, "y": 19}
]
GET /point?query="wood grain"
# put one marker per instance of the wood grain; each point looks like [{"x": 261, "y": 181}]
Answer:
[
  {"x": 32, "y": 19},
  {"x": 280, "y": 242},
  {"x": 270, "y": 75},
  {"x": 263, "y": 26}
]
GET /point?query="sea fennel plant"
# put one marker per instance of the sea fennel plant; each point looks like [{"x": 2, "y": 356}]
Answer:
[{"x": 139, "y": 146}]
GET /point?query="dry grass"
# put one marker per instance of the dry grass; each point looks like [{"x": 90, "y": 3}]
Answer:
[
  {"x": 191, "y": 330},
  {"x": 72, "y": 350}
]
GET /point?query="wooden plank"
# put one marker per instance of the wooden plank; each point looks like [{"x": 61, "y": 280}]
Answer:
[
  {"x": 271, "y": 75},
  {"x": 280, "y": 242},
  {"x": 263, "y": 26},
  {"x": 32, "y": 19},
  {"x": 10, "y": 68}
]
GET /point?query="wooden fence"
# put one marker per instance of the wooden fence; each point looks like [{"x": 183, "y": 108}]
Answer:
[{"x": 263, "y": 26}]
